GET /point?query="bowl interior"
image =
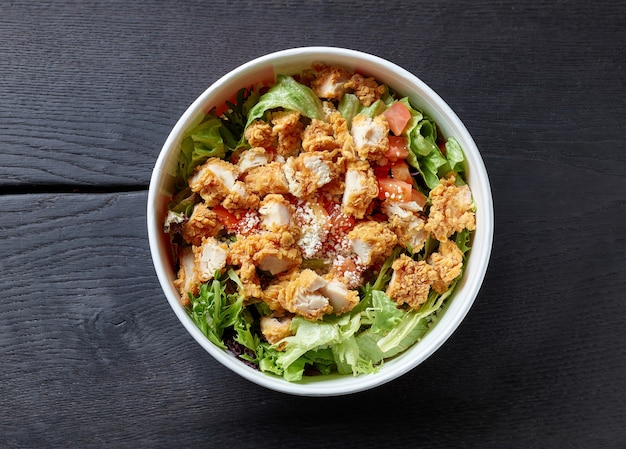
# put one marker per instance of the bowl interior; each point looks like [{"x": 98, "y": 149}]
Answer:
[{"x": 406, "y": 84}]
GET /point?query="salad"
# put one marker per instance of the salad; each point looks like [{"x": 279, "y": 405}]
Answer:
[{"x": 318, "y": 224}]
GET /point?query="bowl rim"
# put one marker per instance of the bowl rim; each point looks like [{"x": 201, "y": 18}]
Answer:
[{"x": 478, "y": 260}]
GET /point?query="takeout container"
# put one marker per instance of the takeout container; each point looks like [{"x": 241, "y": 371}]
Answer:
[{"x": 291, "y": 61}]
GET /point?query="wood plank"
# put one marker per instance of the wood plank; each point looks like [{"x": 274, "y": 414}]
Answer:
[
  {"x": 91, "y": 349},
  {"x": 90, "y": 92}
]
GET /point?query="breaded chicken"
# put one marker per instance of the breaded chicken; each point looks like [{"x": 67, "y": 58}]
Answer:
[
  {"x": 450, "y": 211},
  {"x": 186, "y": 280},
  {"x": 275, "y": 329},
  {"x": 360, "y": 189},
  {"x": 329, "y": 81},
  {"x": 287, "y": 130},
  {"x": 240, "y": 197},
  {"x": 209, "y": 257},
  {"x": 372, "y": 241},
  {"x": 407, "y": 223},
  {"x": 448, "y": 263},
  {"x": 309, "y": 171},
  {"x": 266, "y": 179},
  {"x": 274, "y": 252},
  {"x": 340, "y": 297},
  {"x": 367, "y": 90},
  {"x": 276, "y": 212},
  {"x": 202, "y": 223},
  {"x": 318, "y": 136},
  {"x": 259, "y": 134},
  {"x": 253, "y": 157},
  {"x": 302, "y": 296},
  {"x": 213, "y": 180},
  {"x": 410, "y": 281},
  {"x": 371, "y": 137},
  {"x": 250, "y": 281},
  {"x": 341, "y": 134}
]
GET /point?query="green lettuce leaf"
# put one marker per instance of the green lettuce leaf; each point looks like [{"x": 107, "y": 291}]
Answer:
[
  {"x": 349, "y": 106},
  {"x": 454, "y": 154},
  {"x": 310, "y": 335},
  {"x": 384, "y": 313},
  {"x": 198, "y": 145},
  {"x": 289, "y": 94},
  {"x": 214, "y": 309},
  {"x": 348, "y": 358}
]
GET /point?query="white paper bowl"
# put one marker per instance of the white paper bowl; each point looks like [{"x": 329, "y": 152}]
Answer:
[{"x": 289, "y": 62}]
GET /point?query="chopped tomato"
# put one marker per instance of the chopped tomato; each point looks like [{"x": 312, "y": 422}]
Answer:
[
  {"x": 418, "y": 197},
  {"x": 382, "y": 171},
  {"x": 338, "y": 222},
  {"x": 397, "y": 116},
  {"x": 398, "y": 149},
  {"x": 394, "y": 189},
  {"x": 442, "y": 147},
  {"x": 227, "y": 218},
  {"x": 400, "y": 170}
]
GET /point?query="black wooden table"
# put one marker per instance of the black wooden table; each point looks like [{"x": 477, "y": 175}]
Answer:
[{"x": 91, "y": 354}]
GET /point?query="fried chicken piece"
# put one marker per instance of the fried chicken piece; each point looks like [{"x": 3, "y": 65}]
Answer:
[
  {"x": 405, "y": 221},
  {"x": 186, "y": 280},
  {"x": 371, "y": 137},
  {"x": 287, "y": 129},
  {"x": 214, "y": 180},
  {"x": 276, "y": 212},
  {"x": 266, "y": 179},
  {"x": 259, "y": 134},
  {"x": 253, "y": 157},
  {"x": 318, "y": 136},
  {"x": 447, "y": 263},
  {"x": 329, "y": 81},
  {"x": 372, "y": 241},
  {"x": 309, "y": 171},
  {"x": 341, "y": 133},
  {"x": 250, "y": 281},
  {"x": 360, "y": 189},
  {"x": 410, "y": 281},
  {"x": 275, "y": 329},
  {"x": 274, "y": 252},
  {"x": 367, "y": 90},
  {"x": 340, "y": 297},
  {"x": 202, "y": 223},
  {"x": 209, "y": 257},
  {"x": 240, "y": 197},
  {"x": 450, "y": 211},
  {"x": 301, "y": 296}
]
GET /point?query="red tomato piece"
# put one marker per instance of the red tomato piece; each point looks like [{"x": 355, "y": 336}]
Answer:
[
  {"x": 398, "y": 148},
  {"x": 382, "y": 171},
  {"x": 394, "y": 189},
  {"x": 397, "y": 116},
  {"x": 228, "y": 219},
  {"x": 442, "y": 147},
  {"x": 418, "y": 197},
  {"x": 400, "y": 170},
  {"x": 338, "y": 222}
]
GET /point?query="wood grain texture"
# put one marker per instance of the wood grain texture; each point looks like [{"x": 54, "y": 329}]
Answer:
[
  {"x": 91, "y": 90},
  {"x": 91, "y": 354}
]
